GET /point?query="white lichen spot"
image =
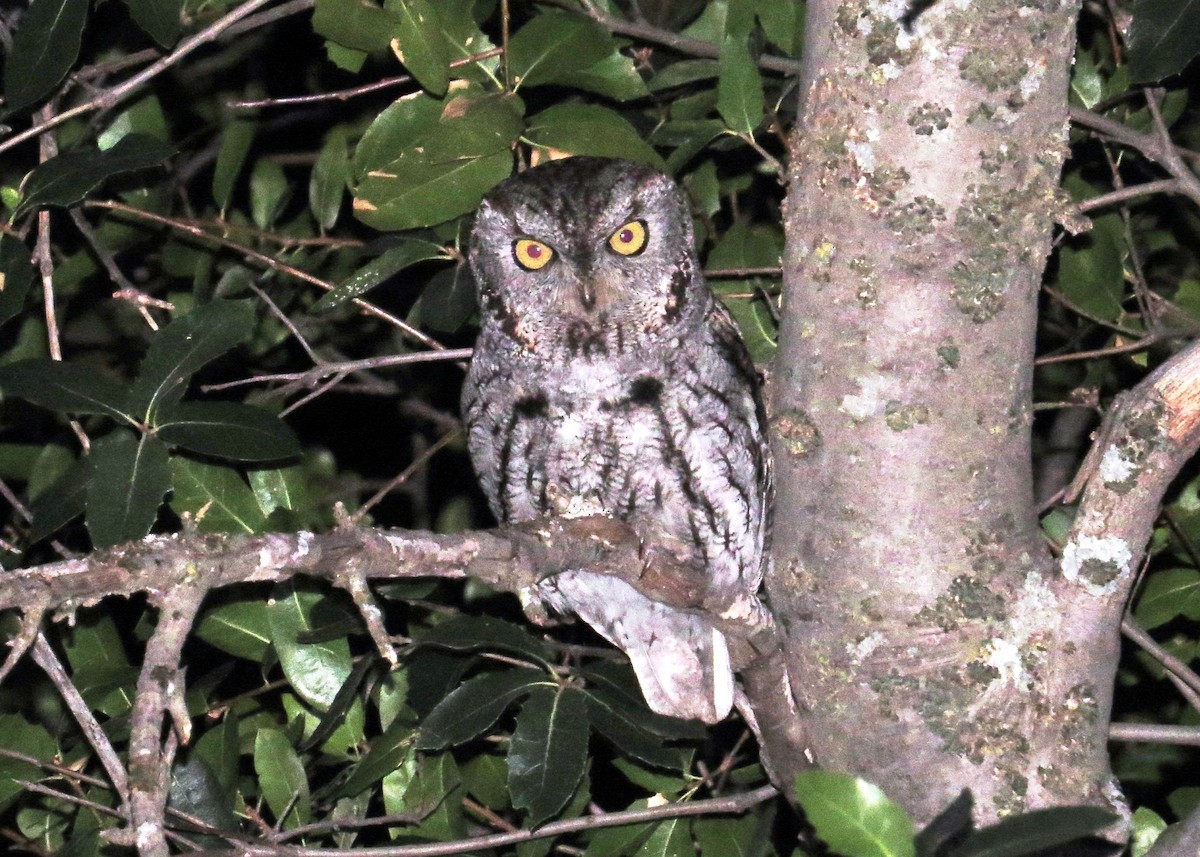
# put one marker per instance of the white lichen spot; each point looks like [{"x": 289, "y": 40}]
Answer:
[
  {"x": 146, "y": 831},
  {"x": 1110, "y": 552},
  {"x": 905, "y": 39},
  {"x": 864, "y": 154},
  {"x": 303, "y": 542},
  {"x": 1032, "y": 81},
  {"x": 890, "y": 70},
  {"x": 1004, "y": 656},
  {"x": 892, "y": 10},
  {"x": 1115, "y": 467},
  {"x": 871, "y": 400},
  {"x": 862, "y": 650}
]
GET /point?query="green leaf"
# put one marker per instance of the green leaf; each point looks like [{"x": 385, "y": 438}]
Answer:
[
  {"x": 739, "y": 87},
  {"x": 44, "y": 47},
  {"x": 34, "y": 741},
  {"x": 184, "y": 346},
  {"x": 99, "y": 666},
  {"x": 355, "y": 24},
  {"x": 554, "y": 44},
  {"x": 385, "y": 754},
  {"x": 548, "y": 751},
  {"x": 1091, "y": 267},
  {"x": 448, "y": 300},
  {"x": 671, "y": 838},
  {"x": 433, "y": 790},
  {"x": 1148, "y": 825},
  {"x": 315, "y": 670},
  {"x": 590, "y": 129},
  {"x": 411, "y": 179},
  {"x": 330, "y": 174},
  {"x": 66, "y": 179},
  {"x": 418, "y": 47},
  {"x": 1163, "y": 38},
  {"x": 409, "y": 252},
  {"x": 159, "y": 19},
  {"x": 16, "y": 276},
  {"x": 1039, "y": 830},
  {"x": 783, "y": 23},
  {"x": 60, "y": 503},
  {"x": 66, "y": 387},
  {"x": 853, "y": 816},
  {"x": 227, "y": 430},
  {"x": 474, "y": 706},
  {"x": 239, "y": 627},
  {"x": 130, "y": 475},
  {"x": 400, "y": 126},
  {"x": 1168, "y": 593},
  {"x": 281, "y": 778},
  {"x": 614, "y": 77},
  {"x": 216, "y": 497},
  {"x": 236, "y": 138},
  {"x": 269, "y": 190}
]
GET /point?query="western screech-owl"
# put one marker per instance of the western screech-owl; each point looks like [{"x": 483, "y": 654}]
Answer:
[{"x": 608, "y": 379}]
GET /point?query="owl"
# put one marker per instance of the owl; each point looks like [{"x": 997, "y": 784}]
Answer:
[{"x": 607, "y": 379}]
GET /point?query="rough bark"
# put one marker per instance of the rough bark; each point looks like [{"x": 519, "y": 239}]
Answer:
[{"x": 922, "y": 620}]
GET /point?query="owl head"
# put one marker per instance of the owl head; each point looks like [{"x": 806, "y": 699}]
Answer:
[{"x": 586, "y": 257}]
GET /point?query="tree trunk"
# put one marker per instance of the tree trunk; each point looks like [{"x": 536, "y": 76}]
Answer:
[{"x": 919, "y": 599}]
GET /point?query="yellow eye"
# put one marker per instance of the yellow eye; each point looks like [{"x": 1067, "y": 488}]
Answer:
[
  {"x": 630, "y": 239},
  {"x": 532, "y": 255}
]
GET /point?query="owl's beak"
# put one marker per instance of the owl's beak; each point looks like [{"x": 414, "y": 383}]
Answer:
[{"x": 587, "y": 294}]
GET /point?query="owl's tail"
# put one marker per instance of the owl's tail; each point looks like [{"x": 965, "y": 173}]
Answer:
[{"x": 680, "y": 659}]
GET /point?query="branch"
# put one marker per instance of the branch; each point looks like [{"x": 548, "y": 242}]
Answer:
[
  {"x": 713, "y": 806},
  {"x": 110, "y": 98}
]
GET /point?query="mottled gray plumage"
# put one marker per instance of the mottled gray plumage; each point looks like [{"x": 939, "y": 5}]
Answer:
[{"x": 607, "y": 378}]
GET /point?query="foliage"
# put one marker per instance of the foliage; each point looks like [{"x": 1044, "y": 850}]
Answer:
[{"x": 259, "y": 248}]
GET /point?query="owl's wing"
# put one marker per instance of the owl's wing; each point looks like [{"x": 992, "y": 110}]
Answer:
[{"x": 680, "y": 659}]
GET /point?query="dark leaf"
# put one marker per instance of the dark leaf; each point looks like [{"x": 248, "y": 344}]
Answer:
[
  {"x": 197, "y": 792},
  {"x": 1163, "y": 38},
  {"x": 130, "y": 475},
  {"x": 853, "y": 816},
  {"x": 236, "y": 138},
  {"x": 16, "y": 276},
  {"x": 474, "y": 706},
  {"x": 1036, "y": 831},
  {"x": 61, "y": 503},
  {"x": 952, "y": 826},
  {"x": 227, "y": 430},
  {"x": 409, "y": 252},
  {"x": 66, "y": 387},
  {"x": 66, "y": 179},
  {"x": 43, "y": 50},
  {"x": 182, "y": 347},
  {"x": 621, "y": 724},
  {"x": 1168, "y": 593},
  {"x": 548, "y": 751},
  {"x": 354, "y": 24},
  {"x": 448, "y": 300},
  {"x": 346, "y": 697},
  {"x": 327, "y": 187},
  {"x": 158, "y": 18},
  {"x": 618, "y": 684},
  {"x": 384, "y": 756},
  {"x": 485, "y": 633}
]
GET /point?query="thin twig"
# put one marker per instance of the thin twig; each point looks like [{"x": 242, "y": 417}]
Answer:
[
  {"x": 191, "y": 228},
  {"x": 311, "y": 376},
  {"x": 45, "y": 658},
  {"x": 733, "y": 805},
  {"x": 405, "y": 474},
  {"x": 1127, "y": 193},
  {"x": 354, "y": 91},
  {"x": 112, "y": 97},
  {"x": 1169, "y": 662},
  {"x": 1156, "y": 733}
]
